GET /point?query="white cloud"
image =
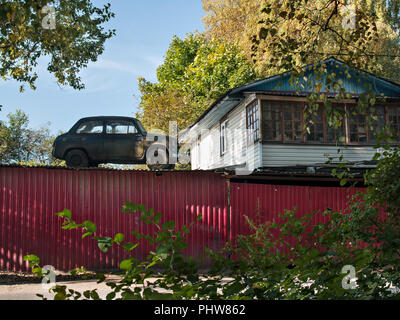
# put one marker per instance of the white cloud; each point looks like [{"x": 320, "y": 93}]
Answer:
[{"x": 113, "y": 65}]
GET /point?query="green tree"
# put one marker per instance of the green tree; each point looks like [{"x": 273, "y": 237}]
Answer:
[
  {"x": 75, "y": 38},
  {"x": 195, "y": 72},
  {"x": 218, "y": 66},
  {"x": 21, "y": 144}
]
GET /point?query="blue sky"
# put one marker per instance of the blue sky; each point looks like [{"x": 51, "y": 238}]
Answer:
[{"x": 144, "y": 30}]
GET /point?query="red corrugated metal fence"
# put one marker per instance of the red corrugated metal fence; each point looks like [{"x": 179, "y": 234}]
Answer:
[
  {"x": 30, "y": 197},
  {"x": 264, "y": 202}
]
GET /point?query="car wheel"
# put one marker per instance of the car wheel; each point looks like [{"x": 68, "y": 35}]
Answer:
[{"x": 76, "y": 159}]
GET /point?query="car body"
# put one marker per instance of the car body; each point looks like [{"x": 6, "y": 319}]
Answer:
[{"x": 112, "y": 139}]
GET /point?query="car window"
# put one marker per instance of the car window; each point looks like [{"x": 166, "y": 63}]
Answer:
[
  {"x": 90, "y": 127},
  {"x": 120, "y": 127}
]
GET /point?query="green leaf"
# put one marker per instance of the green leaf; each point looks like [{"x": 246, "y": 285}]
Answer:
[
  {"x": 33, "y": 260},
  {"x": 89, "y": 226},
  {"x": 169, "y": 225},
  {"x": 86, "y": 234},
  {"x": 37, "y": 270},
  {"x": 118, "y": 238},
  {"x": 110, "y": 296},
  {"x": 94, "y": 295},
  {"x": 157, "y": 217},
  {"x": 100, "y": 277},
  {"x": 126, "y": 264},
  {"x": 64, "y": 214},
  {"x": 129, "y": 246},
  {"x": 60, "y": 296},
  {"x": 180, "y": 245},
  {"x": 185, "y": 229},
  {"x": 234, "y": 288},
  {"x": 104, "y": 243},
  {"x": 137, "y": 234}
]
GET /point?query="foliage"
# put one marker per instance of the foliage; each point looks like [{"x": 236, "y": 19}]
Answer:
[
  {"x": 20, "y": 144},
  {"x": 77, "y": 38},
  {"x": 234, "y": 21},
  {"x": 179, "y": 56},
  {"x": 195, "y": 72},
  {"x": 218, "y": 66},
  {"x": 280, "y": 35},
  {"x": 159, "y": 106}
]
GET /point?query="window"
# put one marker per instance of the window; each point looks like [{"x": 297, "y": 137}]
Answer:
[
  {"x": 120, "y": 127},
  {"x": 378, "y": 124},
  {"x": 358, "y": 128},
  {"x": 198, "y": 145},
  {"x": 360, "y": 131},
  {"x": 293, "y": 122},
  {"x": 223, "y": 137},
  {"x": 90, "y": 127},
  {"x": 394, "y": 120},
  {"x": 316, "y": 127},
  {"x": 272, "y": 124},
  {"x": 284, "y": 121},
  {"x": 253, "y": 122}
]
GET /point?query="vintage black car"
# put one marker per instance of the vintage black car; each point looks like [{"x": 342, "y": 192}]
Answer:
[{"x": 120, "y": 140}]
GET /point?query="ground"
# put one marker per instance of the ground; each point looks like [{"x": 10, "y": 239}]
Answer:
[{"x": 25, "y": 286}]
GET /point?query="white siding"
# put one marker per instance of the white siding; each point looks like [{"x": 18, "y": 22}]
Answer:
[
  {"x": 278, "y": 155},
  {"x": 238, "y": 153}
]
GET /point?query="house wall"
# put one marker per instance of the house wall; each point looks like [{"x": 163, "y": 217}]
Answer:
[
  {"x": 238, "y": 153},
  {"x": 280, "y": 155}
]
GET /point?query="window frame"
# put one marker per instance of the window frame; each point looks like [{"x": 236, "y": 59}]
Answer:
[
  {"x": 198, "y": 153},
  {"x": 80, "y": 123},
  {"x": 128, "y": 123},
  {"x": 255, "y": 132},
  {"x": 344, "y": 130},
  {"x": 223, "y": 135}
]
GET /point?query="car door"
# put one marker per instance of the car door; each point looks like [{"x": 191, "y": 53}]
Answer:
[
  {"x": 122, "y": 141},
  {"x": 88, "y": 136}
]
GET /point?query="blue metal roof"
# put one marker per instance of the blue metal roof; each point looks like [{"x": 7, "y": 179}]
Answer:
[{"x": 358, "y": 82}]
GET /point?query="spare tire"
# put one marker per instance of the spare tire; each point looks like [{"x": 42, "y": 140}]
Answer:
[
  {"x": 76, "y": 159},
  {"x": 159, "y": 158}
]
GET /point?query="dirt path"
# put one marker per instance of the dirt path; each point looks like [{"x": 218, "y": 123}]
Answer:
[
  {"x": 29, "y": 291},
  {"x": 26, "y": 286}
]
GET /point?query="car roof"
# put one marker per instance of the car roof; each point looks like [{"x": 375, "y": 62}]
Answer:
[{"x": 107, "y": 118}]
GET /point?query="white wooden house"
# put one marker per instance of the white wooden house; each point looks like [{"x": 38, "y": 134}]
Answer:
[{"x": 259, "y": 125}]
